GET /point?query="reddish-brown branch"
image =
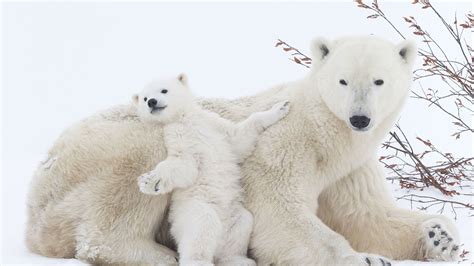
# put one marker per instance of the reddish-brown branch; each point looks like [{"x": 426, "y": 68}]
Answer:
[
  {"x": 429, "y": 199},
  {"x": 297, "y": 56}
]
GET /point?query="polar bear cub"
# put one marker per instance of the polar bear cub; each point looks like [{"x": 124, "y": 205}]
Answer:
[{"x": 207, "y": 217}]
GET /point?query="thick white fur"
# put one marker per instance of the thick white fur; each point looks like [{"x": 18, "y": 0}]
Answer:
[
  {"x": 313, "y": 184},
  {"x": 207, "y": 216}
]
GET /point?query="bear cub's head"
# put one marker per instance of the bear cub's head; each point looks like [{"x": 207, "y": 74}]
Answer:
[{"x": 163, "y": 100}]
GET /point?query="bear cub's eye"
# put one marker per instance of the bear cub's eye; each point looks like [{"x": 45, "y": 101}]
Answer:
[
  {"x": 145, "y": 99},
  {"x": 343, "y": 82},
  {"x": 164, "y": 91},
  {"x": 378, "y": 82}
]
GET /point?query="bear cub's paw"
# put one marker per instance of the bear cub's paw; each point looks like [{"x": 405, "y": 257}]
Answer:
[
  {"x": 236, "y": 260},
  {"x": 440, "y": 240},
  {"x": 281, "y": 109},
  {"x": 274, "y": 114},
  {"x": 195, "y": 263},
  {"x": 155, "y": 182}
]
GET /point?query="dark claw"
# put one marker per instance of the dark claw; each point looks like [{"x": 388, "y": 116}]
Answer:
[
  {"x": 383, "y": 262},
  {"x": 389, "y": 264},
  {"x": 368, "y": 261},
  {"x": 436, "y": 243},
  {"x": 431, "y": 234},
  {"x": 156, "y": 186}
]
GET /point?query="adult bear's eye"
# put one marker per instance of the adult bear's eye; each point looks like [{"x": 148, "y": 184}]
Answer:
[
  {"x": 145, "y": 99},
  {"x": 164, "y": 91},
  {"x": 343, "y": 82},
  {"x": 378, "y": 82}
]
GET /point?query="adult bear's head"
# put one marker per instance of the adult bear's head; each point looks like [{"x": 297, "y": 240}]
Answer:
[{"x": 362, "y": 80}]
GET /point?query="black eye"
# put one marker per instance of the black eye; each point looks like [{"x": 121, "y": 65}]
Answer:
[
  {"x": 164, "y": 91},
  {"x": 378, "y": 82},
  {"x": 145, "y": 99},
  {"x": 343, "y": 82}
]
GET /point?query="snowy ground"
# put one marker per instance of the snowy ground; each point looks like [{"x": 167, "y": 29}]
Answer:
[{"x": 62, "y": 62}]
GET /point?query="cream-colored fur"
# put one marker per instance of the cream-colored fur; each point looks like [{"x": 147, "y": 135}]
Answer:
[
  {"x": 207, "y": 216},
  {"x": 313, "y": 183}
]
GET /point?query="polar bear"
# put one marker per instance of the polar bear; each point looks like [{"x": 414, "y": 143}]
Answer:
[
  {"x": 207, "y": 217},
  {"x": 313, "y": 184}
]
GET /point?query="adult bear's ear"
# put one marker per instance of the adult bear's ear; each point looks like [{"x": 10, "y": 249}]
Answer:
[
  {"x": 135, "y": 99},
  {"x": 320, "y": 50},
  {"x": 407, "y": 51},
  {"x": 183, "y": 79}
]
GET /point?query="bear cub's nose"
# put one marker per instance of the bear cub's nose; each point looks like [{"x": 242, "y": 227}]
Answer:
[
  {"x": 359, "y": 121},
  {"x": 152, "y": 102}
]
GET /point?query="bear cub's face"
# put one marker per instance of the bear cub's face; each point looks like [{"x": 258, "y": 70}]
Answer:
[
  {"x": 164, "y": 99},
  {"x": 362, "y": 80}
]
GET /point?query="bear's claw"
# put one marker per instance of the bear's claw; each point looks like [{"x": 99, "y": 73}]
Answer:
[
  {"x": 157, "y": 185},
  {"x": 149, "y": 183},
  {"x": 374, "y": 260}
]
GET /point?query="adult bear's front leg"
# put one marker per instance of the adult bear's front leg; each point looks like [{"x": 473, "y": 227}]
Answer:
[
  {"x": 288, "y": 232},
  {"x": 293, "y": 236},
  {"x": 361, "y": 208}
]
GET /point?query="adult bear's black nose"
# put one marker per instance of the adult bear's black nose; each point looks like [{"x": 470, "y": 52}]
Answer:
[
  {"x": 359, "y": 121},
  {"x": 152, "y": 102}
]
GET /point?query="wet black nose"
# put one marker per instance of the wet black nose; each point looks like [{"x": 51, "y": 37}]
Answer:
[
  {"x": 152, "y": 103},
  {"x": 359, "y": 121}
]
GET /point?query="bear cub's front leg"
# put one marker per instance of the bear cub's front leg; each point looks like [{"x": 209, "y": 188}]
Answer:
[
  {"x": 163, "y": 179},
  {"x": 273, "y": 115}
]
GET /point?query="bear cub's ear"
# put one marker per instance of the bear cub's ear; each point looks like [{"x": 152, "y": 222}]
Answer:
[
  {"x": 407, "y": 51},
  {"x": 135, "y": 98},
  {"x": 183, "y": 79},
  {"x": 320, "y": 49}
]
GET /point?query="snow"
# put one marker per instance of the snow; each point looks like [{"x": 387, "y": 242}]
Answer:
[{"x": 64, "y": 61}]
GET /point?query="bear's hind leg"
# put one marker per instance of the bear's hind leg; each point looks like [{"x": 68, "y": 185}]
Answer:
[
  {"x": 236, "y": 239},
  {"x": 53, "y": 231},
  {"x": 53, "y": 236},
  {"x": 196, "y": 227},
  {"x": 139, "y": 251}
]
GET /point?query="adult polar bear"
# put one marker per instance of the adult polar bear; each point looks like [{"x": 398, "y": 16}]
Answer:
[{"x": 313, "y": 183}]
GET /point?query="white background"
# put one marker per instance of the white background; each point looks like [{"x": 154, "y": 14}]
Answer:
[{"x": 64, "y": 61}]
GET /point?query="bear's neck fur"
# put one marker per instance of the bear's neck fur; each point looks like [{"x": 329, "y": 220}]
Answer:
[{"x": 311, "y": 124}]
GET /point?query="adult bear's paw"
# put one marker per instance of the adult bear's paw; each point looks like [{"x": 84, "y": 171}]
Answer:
[
  {"x": 440, "y": 240},
  {"x": 372, "y": 260},
  {"x": 365, "y": 259}
]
